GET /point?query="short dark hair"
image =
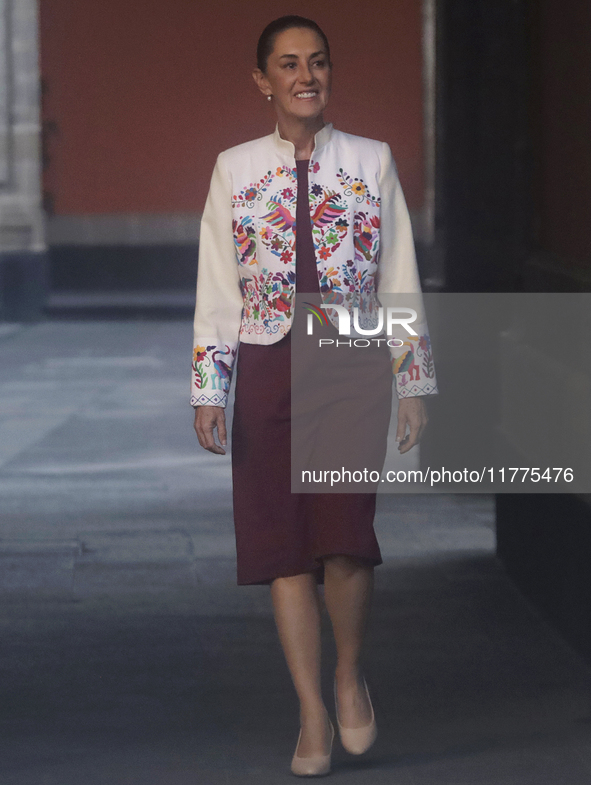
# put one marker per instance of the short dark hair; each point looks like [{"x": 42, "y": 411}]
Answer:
[{"x": 272, "y": 30}]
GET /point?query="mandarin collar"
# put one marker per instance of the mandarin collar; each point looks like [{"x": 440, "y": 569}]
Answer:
[{"x": 321, "y": 138}]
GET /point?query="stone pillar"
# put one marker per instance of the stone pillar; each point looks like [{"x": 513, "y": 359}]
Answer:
[{"x": 23, "y": 265}]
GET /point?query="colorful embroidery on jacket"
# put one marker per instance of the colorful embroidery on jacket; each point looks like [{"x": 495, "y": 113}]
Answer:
[
  {"x": 328, "y": 216},
  {"x": 253, "y": 192},
  {"x": 353, "y": 282},
  {"x": 358, "y": 188},
  {"x": 408, "y": 367},
  {"x": 345, "y": 221},
  {"x": 245, "y": 240},
  {"x": 268, "y": 298},
  {"x": 212, "y": 367}
]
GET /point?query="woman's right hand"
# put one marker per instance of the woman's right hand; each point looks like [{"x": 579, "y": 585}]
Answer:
[{"x": 207, "y": 419}]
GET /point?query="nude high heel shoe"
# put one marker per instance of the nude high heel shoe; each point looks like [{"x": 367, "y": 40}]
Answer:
[
  {"x": 357, "y": 740},
  {"x": 315, "y": 766}
]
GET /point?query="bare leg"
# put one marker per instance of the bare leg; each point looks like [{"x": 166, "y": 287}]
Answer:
[
  {"x": 297, "y": 615},
  {"x": 348, "y": 589}
]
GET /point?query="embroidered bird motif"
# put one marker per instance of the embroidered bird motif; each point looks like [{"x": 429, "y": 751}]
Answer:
[
  {"x": 364, "y": 235},
  {"x": 222, "y": 369},
  {"x": 363, "y": 243},
  {"x": 328, "y": 210},
  {"x": 283, "y": 300},
  {"x": 279, "y": 217},
  {"x": 328, "y": 281},
  {"x": 245, "y": 244},
  {"x": 406, "y": 362}
]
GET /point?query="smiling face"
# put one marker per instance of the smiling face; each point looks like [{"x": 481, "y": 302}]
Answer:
[{"x": 298, "y": 75}]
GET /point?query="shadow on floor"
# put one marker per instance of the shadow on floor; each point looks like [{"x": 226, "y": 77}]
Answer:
[{"x": 469, "y": 685}]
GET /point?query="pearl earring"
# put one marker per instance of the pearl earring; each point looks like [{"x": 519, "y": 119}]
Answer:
[{"x": 269, "y": 97}]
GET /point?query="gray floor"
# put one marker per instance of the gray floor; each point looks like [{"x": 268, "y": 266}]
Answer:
[{"x": 129, "y": 655}]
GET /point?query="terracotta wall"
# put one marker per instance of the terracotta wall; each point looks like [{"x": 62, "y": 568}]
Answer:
[
  {"x": 563, "y": 119},
  {"x": 145, "y": 93}
]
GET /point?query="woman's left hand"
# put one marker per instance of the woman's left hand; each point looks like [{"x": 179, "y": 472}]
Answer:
[{"x": 411, "y": 411}]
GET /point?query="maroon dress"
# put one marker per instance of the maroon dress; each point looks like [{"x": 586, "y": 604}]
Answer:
[{"x": 279, "y": 533}]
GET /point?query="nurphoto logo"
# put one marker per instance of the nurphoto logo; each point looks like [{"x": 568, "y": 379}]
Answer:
[{"x": 392, "y": 317}]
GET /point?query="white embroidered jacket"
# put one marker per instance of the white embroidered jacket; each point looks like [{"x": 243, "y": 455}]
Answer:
[{"x": 246, "y": 270}]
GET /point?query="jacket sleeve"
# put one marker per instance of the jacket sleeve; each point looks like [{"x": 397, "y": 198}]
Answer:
[
  {"x": 218, "y": 307},
  {"x": 412, "y": 362}
]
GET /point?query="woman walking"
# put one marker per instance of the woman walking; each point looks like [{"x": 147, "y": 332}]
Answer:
[{"x": 305, "y": 209}]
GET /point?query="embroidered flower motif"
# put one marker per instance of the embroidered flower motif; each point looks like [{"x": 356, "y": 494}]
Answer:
[
  {"x": 199, "y": 353},
  {"x": 286, "y": 256},
  {"x": 266, "y": 233},
  {"x": 252, "y": 192},
  {"x": 316, "y": 189},
  {"x": 324, "y": 252},
  {"x": 286, "y": 171},
  {"x": 315, "y": 167},
  {"x": 287, "y": 193},
  {"x": 356, "y": 186}
]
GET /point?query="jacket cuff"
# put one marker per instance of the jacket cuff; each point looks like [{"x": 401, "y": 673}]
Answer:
[
  {"x": 406, "y": 388},
  {"x": 211, "y": 375},
  {"x": 413, "y": 368},
  {"x": 212, "y": 399}
]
